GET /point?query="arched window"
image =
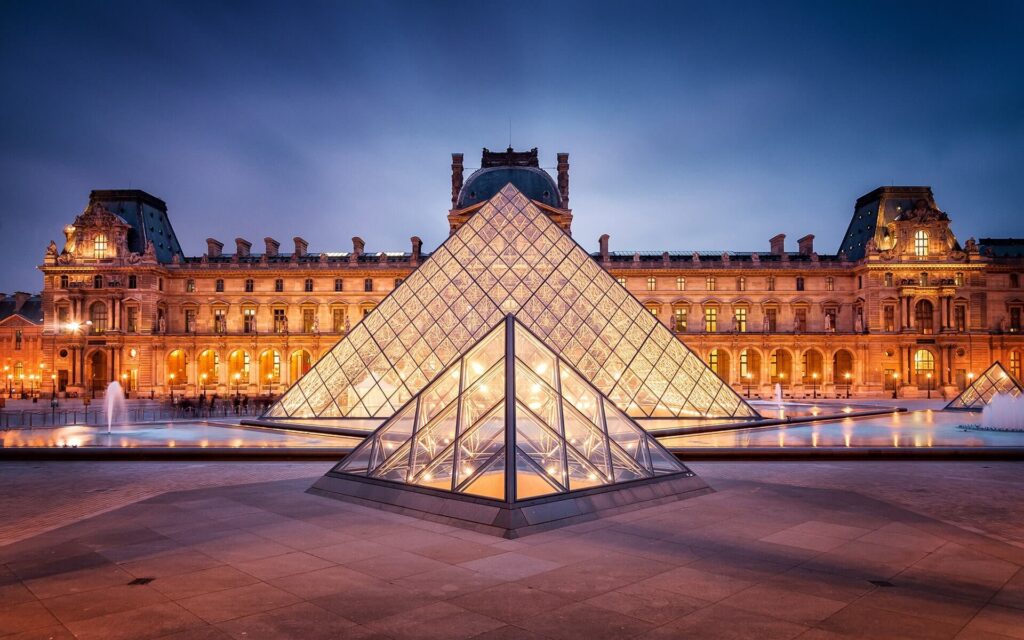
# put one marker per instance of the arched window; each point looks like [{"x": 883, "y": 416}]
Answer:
[
  {"x": 208, "y": 366},
  {"x": 98, "y": 316},
  {"x": 99, "y": 246},
  {"x": 921, "y": 243},
  {"x": 299, "y": 364},
  {"x": 270, "y": 367},
  {"x": 177, "y": 369},
  {"x": 238, "y": 367},
  {"x": 924, "y": 315},
  {"x": 924, "y": 364}
]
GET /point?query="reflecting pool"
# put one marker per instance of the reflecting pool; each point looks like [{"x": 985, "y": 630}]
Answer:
[{"x": 926, "y": 428}]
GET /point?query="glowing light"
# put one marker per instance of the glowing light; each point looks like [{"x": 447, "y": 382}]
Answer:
[
  {"x": 541, "y": 368},
  {"x": 552, "y": 470},
  {"x": 477, "y": 367}
]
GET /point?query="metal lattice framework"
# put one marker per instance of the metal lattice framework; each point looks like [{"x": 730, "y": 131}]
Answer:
[
  {"x": 510, "y": 421},
  {"x": 510, "y": 258},
  {"x": 979, "y": 393}
]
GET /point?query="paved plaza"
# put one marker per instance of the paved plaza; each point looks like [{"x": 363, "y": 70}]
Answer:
[{"x": 237, "y": 550}]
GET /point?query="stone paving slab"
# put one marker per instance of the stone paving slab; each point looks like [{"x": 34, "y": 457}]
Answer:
[{"x": 769, "y": 555}]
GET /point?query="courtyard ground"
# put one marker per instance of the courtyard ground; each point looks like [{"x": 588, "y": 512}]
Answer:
[{"x": 780, "y": 550}]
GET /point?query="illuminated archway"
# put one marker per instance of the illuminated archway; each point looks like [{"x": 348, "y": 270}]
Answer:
[
  {"x": 813, "y": 366},
  {"x": 842, "y": 367},
  {"x": 270, "y": 367},
  {"x": 924, "y": 365},
  {"x": 298, "y": 364},
  {"x": 208, "y": 364},
  {"x": 780, "y": 367},
  {"x": 177, "y": 369},
  {"x": 750, "y": 366},
  {"x": 718, "y": 361},
  {"x": 238, "y": 367}
]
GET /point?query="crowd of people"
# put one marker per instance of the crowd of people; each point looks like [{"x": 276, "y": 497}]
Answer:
[{"x": 238, "y": 404}]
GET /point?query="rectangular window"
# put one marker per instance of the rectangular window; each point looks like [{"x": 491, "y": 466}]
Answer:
[
  {"x": 923, "y": 279},
  {"x": 888, "y": 279},
  {"x": 830, "y": 284},
  {"x": 653, "y": 308},
  {"x": 219, "y": 286},
  {"x": 190, "y": 286},
  {"x": 860, "y": 282},
  {"x": 220, "y": 320},
  {"x": 889, "y": 320},
  {"x": 960, "y": 317},
  {"x": 709, "y": 283},
  {"x": 133, "y": 282},
  {"x": 133, "y": 319},
  {"x": 338, "y": 320},
  {"x": 744, "y": 364},
  {"x": 99, "y": 246},
  {"x": 741, "y": 320},
  {"x": 799, "y": 283},
  {"x": 308, "y": 316},
  {"x": 160, "y": 284},
  {"x": 679, "y": 314},
  {"x": 62, "y": 317},
  {"x": 652, "y": 284},
  {"x": 368, "y": 284},
  {"x": 711, "y": 320},
  {"x": 958, "y": 280},
  {"x": 279, "y": 285},
  {"x": 339, "y": 284},
  {"x": 800, "y": 320},
  {"x": 190, "y": 320},
  {"x": 64, "y": 281},
  {"x": 680, "y": 284},
  {"x": 249, "y": 320},
  {"x": 741, "y": 284},
  {"x": 769, "y": 283},
  {"x": 1014, "y": 281},
  {"x": 1015, "y": 319},
  {"x": 280, "y": 321},
  {"x": 830, "y": 320},
  {"x": 771, "y": 320},
  {"x": 249, "y": 286},
  {"x": 308, "y": 285}
]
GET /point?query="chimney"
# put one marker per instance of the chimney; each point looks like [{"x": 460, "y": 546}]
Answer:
[
  {"x": 357, "y": 249},
  {"x": 456, "y": 178},
  {"x": 805, "y": 245},
  {"x": 417, "y": 247},
  {"x": 242, "y": 247},
  {"x": 603, "y": 242},
  {"x": 563, "y": 179},
  {"x": 778, "y": 244},
  {"x": 300, "y": 246},
  {"x": 214, "y": 248},
  {"x": 20, "y": 298},
  {"x": 272, "y": 246}
]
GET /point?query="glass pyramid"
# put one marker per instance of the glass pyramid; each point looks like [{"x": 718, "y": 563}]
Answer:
[
  {"x": 510, "y": 258},
  {"x": 979, "y": 393},
  {"x": 510, "y": 421}
]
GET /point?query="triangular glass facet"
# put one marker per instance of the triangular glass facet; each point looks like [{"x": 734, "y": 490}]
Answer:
[
  {"x": 994, "y": 381},
  {"x": 509, "y": 258},
  {"x": 565, "y": 435}
]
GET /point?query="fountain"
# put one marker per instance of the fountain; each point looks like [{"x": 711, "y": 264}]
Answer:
[
  {"x": 778, "y": 393},
  {"x": 113, "y": 402},
  {"x": 1003, "y": 413}
]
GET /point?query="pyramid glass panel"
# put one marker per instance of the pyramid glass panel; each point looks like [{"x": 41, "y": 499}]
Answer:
[
  {"x": 994, "y": 381},
  {"x": 509, "y": 258},
  {"x": 564, "y": 436}
]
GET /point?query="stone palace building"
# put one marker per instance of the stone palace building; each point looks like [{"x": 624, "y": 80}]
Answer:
[{"x": 902, "y": 303}]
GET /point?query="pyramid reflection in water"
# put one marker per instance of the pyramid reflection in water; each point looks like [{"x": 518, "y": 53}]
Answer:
[{"x": 509, "y": 439}]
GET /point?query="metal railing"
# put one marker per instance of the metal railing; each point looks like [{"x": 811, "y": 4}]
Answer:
[{"x": 58, "y": 417}]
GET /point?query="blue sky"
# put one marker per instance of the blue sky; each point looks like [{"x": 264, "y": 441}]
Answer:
[{"x": 689, "y": 125}]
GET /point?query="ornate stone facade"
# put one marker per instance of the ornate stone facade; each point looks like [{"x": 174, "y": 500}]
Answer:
[{"x": 902, "y": 299}]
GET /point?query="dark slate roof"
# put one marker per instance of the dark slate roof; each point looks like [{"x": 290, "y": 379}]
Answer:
[
  {"x": 31, "y": 308},
  {"x": 483, "y": 184},
  {"x": 1002, "y": 247},
  {"x": 147, "y": 216},
  {"x": 877, "y": 209},
  {"x": 709, "y": 257},
  {"x": 393, "y": 257}
]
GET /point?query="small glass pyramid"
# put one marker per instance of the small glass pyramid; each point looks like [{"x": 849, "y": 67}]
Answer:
[
  {"x": 510, "y": 258},
  {"x": 979, "y": 393},
  {"x": 510, "y": 421}
]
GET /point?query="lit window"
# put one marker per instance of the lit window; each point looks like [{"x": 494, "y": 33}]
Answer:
[
  {"x": 99, "y": 246},
  {"x": 679, "y": 313},
  {"x": 18, "y": 337},
  {"x": 711, "y": 320},
  {"x": 190, "y": 320},
  {"x": 652, "y": 284},
  {"x": 741, "y": 284},
  {"x": 133, "y": 319},
  {"x": 280, "y": 321},
  {"x": 308, "y": 319},
  {"x": 1015, "y": 364},
  {"x": 921, "y": 243},
  {"x": 713, "y": 360},
  {"x": 249, "y": 320},
  {"x": 958, "y": 280},
  {"x": 680, "y": 284},
  {"x": 741, "y": 320},
  {"x": 98, "y": 316},
  {"x": 220, "y": 321},
  {"x": 830, "y": 284},
  {"x": 621, "y": 281},
  {"x": 190, "y": 286},
  {"x": 337, "y": 320},
  {"x": 653, "y": 308},
  {"x": 709, "y": 283}
]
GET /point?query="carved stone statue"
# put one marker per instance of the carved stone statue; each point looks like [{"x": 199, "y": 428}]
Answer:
[
  {"x": 971, "y": 246},
  {"x": 316, "y": 325},
  {"x": 161, "y": 325},
  {"x": 348, "y": 326},
  {"x": 829, "y": 322},
  {"x": 672, "y": 324},
  {"x": 858, "y": 322},
  {"x": 69, "y": 242},
  {"x": 150, "y": 254},
  {"x": 51, "y": 252}
]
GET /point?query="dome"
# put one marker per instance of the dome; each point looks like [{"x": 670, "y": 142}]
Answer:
[{"x": 534, "y": 183}]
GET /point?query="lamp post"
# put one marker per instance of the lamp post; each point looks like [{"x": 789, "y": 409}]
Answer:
[
  {"x": 929, "y": 376},
  {"x": 21, "y": 376},
  {"x": 814, "y": 385},
  {"x": 270, "y": 385},
  {"x": 8, "y": 376},
  {"x": 238, "y": 378},
  {"x": 748, "y": 377},
  {"x": 202, "y": 382},
  {"x": 172, "y": 387},
  {"x": 895, "y": 385},
  {"x": 847, "y": 376},
  {"x": 10, "y": 385},
  {"x": 124, "y": 384}
]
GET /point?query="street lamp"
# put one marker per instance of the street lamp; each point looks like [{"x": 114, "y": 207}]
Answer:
[
  {"x": 895, "y": 385},
  {"x": 124, "y": 383},
  {"x": 929, "y": 376},
  {"x": 202, "y": 381},
  {"x": 22, "y": 377},
  {"x": 814, "y": 385},
  {"x": 270, "y": 388},
  {"x": 172, "y": 387},
  {"x": 238, "y": 378},
  {"x": 748, "y": 377},
  {"x": 847, "y": 376}
]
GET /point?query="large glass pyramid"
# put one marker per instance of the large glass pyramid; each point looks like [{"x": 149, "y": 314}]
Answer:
[
  {"x": 510, "y": 258},
  {"x": 509, "y": 422},
  {"x": 979, "y": 393}
]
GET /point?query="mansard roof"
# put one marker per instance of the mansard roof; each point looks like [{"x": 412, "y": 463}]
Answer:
[
  {"x": 29, "y": 307},
  {"x": 146, "y": 215}
]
